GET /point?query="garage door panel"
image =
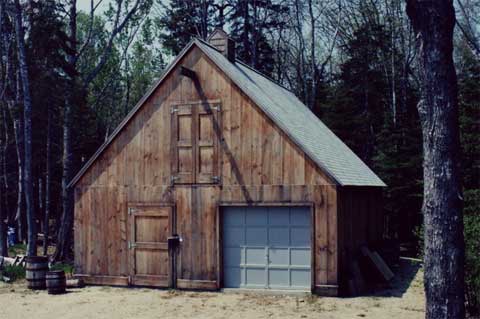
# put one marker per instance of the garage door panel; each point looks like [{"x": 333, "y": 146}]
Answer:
[
  {"x": 234, "y": 256},
  {"x": 255, "y": 256},
  {"x": 300, "y": 237},
  {"x": 301, "y": 216},
  {"x": 235, "y": 217},
  {"x": 279, "y": 277},
  {"x": 300, "y": 277},
  {"x": 267, "y": 247},
  {"x": 234, "y": 277},
  {"x": 256, "y": 236},
  {"x": 278, "y": 216},
  {"x": 300, "y": 257},
  {"x": 279, "y": 256},
  {"x": 255, "y": 277},
  {"x": 278, "y": 236},
  {"x": 256, "y": 217},
  {"x": 234, "y": 236}
]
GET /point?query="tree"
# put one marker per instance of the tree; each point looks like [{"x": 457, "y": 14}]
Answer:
[
  {"x": 119, "y": 17},
  {"x": 433, "y": 23},
  {"x": 27, "y": 118},
  {"x": 3, "y": 183},
  {"x": 183, "y": 20},
  {"x": 11, "y": 97},
  {"x": 250, "y": 22}
]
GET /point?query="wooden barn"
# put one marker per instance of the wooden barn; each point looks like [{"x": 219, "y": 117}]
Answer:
[{"x": 222, "y": 178}]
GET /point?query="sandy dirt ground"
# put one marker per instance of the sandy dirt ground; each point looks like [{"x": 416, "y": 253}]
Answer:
[{"x": 405, "y": 299}]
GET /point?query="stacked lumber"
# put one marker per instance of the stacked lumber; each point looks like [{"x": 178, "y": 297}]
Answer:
[
  {"x": 19, "y": 260},
  {"x": 377, "y": 264},
  {"x": 370, "y": 268}
]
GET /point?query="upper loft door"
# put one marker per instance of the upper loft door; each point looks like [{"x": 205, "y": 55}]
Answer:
[{"x": 195, "y": 146}]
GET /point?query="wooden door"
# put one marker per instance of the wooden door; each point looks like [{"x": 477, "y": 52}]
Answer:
[
  {"x": 196, "y": 131},
  {"x": 183, "y": 158},
  {"x": 207, "y": 136},
  {"x": 150, "y": 259}
]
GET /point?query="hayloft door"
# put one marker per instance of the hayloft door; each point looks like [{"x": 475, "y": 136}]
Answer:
[
  {"x": 150, "y": 259},
  {"x": 195, "y": 142}
]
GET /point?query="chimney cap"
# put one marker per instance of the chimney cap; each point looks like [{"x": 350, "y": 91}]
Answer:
[
  {"x": 219, "y": 31},
  {"x": 220, "y": 40}
]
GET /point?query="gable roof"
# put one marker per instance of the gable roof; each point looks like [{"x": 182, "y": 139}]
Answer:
[{"x": 295, "y": 119}]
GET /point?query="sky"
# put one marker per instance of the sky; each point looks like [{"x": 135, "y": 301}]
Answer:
[{"x": 84, "y": 5}]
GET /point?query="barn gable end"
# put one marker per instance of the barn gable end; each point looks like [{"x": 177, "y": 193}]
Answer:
[{"x": 258, "y": 164}]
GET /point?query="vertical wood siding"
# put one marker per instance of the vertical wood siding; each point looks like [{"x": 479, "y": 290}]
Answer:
[{"x": 258, "y": 163}]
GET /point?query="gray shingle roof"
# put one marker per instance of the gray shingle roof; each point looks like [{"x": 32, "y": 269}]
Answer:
[
  {"x": 298, "y": 122},
  {"x": 294, "y": 118}
]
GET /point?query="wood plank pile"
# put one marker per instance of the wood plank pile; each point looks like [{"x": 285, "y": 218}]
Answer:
[{"x": 368, "y": 269}]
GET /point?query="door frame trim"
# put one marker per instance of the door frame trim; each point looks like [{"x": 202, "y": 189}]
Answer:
[{"x": 223, "y": 204}]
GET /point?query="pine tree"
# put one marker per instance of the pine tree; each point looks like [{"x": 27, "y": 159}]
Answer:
[
  {"x": 183, "y": 20},
  {"x": 249, "y": 23}
]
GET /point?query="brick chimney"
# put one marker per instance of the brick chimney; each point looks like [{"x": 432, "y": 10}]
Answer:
[{"x": 220, "y": 40}]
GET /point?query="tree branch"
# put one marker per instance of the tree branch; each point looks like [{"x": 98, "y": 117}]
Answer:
[{"x": 118, "y": 27}]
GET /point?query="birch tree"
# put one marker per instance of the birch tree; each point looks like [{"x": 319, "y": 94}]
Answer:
[{"x": 27, "y": 132}]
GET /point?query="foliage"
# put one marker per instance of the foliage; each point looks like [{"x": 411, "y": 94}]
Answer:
[
  {"x": 358, "y": 108},
  {"x": 67, "y": 268},
  {"x": 183, "y": 20},
  {"x": 17, "y": 249},
  {"x": 13, "y": 272}
]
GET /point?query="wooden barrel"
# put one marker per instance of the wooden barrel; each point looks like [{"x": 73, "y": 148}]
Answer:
[
  {"x": 35, "y": 271},
  {"x": 56, "y": 282}
]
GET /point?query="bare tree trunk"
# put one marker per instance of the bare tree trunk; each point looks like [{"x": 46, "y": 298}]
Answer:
[
  {"x": 433, "y": 22},
  {"x": 40, "y": 204},
  {"x": 27, "y": 114},
  {"x": 3, "y": 187},
  {"x": 48, "y": 178},
  {"x": 19, "y": 215},
  {"x": 12, "y": 97},
  {"x": 313, "y": 71},
  {"x": 64, "y": 235}
]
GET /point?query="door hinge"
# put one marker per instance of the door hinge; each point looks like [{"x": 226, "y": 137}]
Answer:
[
  {"x": 216, "y": 179},
  {"x": 131, "y": 210},
  {"x": 216, "y": 108},
  {"x": 131, "y": 245},
  {"x": 174, "y": 178},
  {"x": 173, "y": 110}
]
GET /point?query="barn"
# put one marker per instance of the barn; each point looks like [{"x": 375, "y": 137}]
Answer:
[{"x": 221, "y": 178}]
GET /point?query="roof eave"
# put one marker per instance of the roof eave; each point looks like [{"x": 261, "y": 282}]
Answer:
[{"x": 130, "y": 115}]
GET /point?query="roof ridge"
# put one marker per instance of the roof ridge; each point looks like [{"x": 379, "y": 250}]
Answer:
[
  {"x": 366, "y": 177},
  {"x": 249, "y": 66}
]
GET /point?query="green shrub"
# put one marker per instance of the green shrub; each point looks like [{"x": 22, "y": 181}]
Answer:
[
  {"x": 13, "y": 272},
  {"x": 67, "y": 268}
]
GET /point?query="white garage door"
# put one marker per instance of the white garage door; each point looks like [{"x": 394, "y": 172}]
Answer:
[{"x": 267, "y": 247}]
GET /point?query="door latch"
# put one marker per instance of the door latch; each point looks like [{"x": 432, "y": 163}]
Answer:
[{"x": 174, "y": 241}]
